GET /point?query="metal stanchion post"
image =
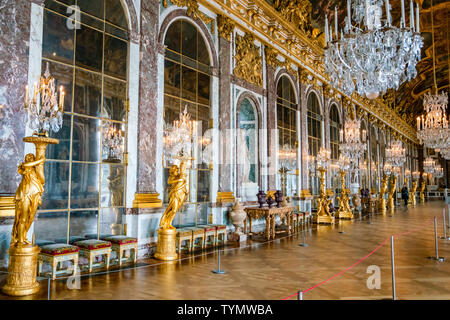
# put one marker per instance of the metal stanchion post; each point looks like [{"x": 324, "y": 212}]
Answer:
[
  {"x": 444, "y": 224},
  {"x": 303, "y": 244},
  {"x": 48, "y": 289},
  {"x": 219, "y": 271},
  {"x": 437, "y": 258},
  {"x": 300, "y": 295},
  {"x": 370, "y": 218},
  {"x": 393, "y": 268},
  {"x": 341, "y": 223}
]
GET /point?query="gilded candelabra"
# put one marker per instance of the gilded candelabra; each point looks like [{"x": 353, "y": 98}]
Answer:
[
  {"x": 422, "y": 191},
  {"x": 323, "y": 203},
  {"x": 383, "y": 190},
  {"x": 344, "y": 211},
  {"x": 178, "y": 147},
  {"x": 44, "y": 114},
  {"x": 391, "y": 196}
]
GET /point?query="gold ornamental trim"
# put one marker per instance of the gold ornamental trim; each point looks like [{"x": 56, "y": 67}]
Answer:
[
  {"x": 225, "y": 27},
  {"x": 147, "y": 200},
  {"x": 225, "y": 197},
  {"x": 192, "y": 11},
  {"x": 7, "y": 206},
  {"x": 248, "y": 60}
]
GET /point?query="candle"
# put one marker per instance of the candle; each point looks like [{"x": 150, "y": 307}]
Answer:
[
  {"x": 336, "y": 21},
  {"x": 331, "y": 33},
  {"x": 417, "y": 19},
  {"x": 26, "y": 96},
  {"x": 341, "y": 134},
  {"x": 366, "y": 8},
  {"x": 411, "y": 16},
  {"x": 418, "y": 123},
  {"x": 327, "y": 38},
  {"x": 403, "y": 14},
  {"x": 349, "y": 13},
  {"x": 388, "y": 12}
]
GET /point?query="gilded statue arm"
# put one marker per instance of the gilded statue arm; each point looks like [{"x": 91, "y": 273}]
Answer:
[{"x": 33, "y": 163}]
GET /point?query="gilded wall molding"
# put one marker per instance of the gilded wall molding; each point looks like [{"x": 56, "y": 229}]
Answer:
[
  {"x": 225, "y": 27},
  {"x": 192, "y": 11},
  {"x": 248, "y": 60},
  {"x": 271, "y": 55}
]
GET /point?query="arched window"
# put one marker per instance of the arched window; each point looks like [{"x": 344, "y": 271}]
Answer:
[
  {"x": 187, "y": 84},
  {"x": 335, "y": 125},
  {"x": 314, "y": 125},
  {"x": 85, "y": 172},
  {"x": 287, "y": 134}
]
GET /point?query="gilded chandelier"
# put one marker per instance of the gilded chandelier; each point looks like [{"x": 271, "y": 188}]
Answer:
[
  {"x": 372, "y": 58},
  {"x": 45, "y": 112}
]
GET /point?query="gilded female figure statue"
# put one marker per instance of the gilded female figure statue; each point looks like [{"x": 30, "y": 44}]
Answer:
[
  {"x": 28, "y": 197},
  {"x": 177, "y": 195}
]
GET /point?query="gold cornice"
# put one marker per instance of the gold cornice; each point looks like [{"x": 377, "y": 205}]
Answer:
[{"x": 270, "y": 28}]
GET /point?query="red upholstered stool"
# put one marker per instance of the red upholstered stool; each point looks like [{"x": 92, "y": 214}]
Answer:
[
  {"x": 121, "y": 245},
  {"x": 55, "y": 254},
  {"x": 210, "y": 234},
  {"x": 93, "y": 248},
  {"x": 221, "y": 233}
]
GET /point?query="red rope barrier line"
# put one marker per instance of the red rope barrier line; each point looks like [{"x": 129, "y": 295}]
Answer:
[{"x": 357, "y": 262}]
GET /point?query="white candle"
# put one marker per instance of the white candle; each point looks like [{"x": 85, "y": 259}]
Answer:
[
  {"x": 411, "y": 16},
  {"x": 418, "y": 123},
  {"x": 417, "y": 19},
  {"x": 26, "y": 95},
  {"x": 349, "y": 13},
  {"x": 366, "y": 8},
  {"x": 336, "y": 21},
  {"x": 403, "y": 14},
  {"x": 327, "y": 38},
  {"x": 331, "y": 33},
  {"x": 388, "y": 12}
]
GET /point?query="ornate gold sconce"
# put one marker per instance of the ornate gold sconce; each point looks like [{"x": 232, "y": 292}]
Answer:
[
  {"x": 323, "y": 203},
  {"x": 381, "y": 199},
  {"x": 412, "y": 197},
  {"x": 422, "y": 191},
  {"x": 391, "y": 196}
]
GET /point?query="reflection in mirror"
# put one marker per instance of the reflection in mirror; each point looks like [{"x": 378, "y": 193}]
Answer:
[
  {"x": 56, "y": 195},
  {"x": 84, "y": 188},
  {"x": 83, "y": 223},
  {"x": 50, "y": 227}
]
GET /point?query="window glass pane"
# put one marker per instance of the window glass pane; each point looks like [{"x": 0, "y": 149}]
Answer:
[
  {"x": 50, "y": 226},
  {"x": 173, "y": 36},
  {"x": 189, "y": 40},
  {"x": 114, "y": 13},
  {"x": 111, "y": 221},
  {"x": 116, "y": 52},
  {"x": 187, "y": 215},
  {"x": 85, "y": 180},
  {"x": 86, "y": 139},
  {"x": 89, "y": 48},
  {"x": 94, "y": 8},
  {"x": 203, "y": 186},
  {"x": 114, "y": 99},
  {"x": 88, "y": 93},
  {"x": 203, "y": 54},
  {"x": 203, "y": 88},
  {"x": 56, "y": 195},
  {"x": 60, "y": 151},
  {"x": 113, "y": 183},
  {"x": 172, "y": 109},
  {"x": 83, "y": 223},
  {"x": 172, "y": 78},
  {"x": 202, "y": 213},
  {"x": 189, "y": 84},
  {"x": 58, "y": 40}
]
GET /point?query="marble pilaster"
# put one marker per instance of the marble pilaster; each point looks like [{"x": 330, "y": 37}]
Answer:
[
  {"x": 14, "y": 49},
  {"x": 271, "y": 122}
]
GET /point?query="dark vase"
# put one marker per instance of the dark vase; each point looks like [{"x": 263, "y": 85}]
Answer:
[
  {"x": 278, "y": 198},
  {"x": 270, "y": 201},
  {"x": 261, "y": 195}
]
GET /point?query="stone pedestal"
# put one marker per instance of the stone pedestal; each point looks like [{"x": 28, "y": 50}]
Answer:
[
  {"x": 21, "y": 279},
  {"x": 166, "y": 249}
]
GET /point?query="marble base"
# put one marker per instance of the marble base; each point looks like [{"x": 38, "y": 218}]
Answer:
[{"x": 236, "y": 237}]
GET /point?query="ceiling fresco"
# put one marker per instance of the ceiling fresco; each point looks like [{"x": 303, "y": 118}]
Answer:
[{"x": 408, "y": 99}]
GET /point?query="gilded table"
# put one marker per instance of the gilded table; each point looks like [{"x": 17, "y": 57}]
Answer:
[{"x": 269, "y": 214}]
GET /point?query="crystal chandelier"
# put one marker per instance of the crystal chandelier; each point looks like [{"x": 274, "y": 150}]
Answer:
[
  {"x": 323, "y": 158},
  {"x": 45, "y": 112},
  {"x": 351, "y": 145},
  {"x": 445, "y": 153},
  {"x": 428, "y": 165},
  {"x": 438, "y": 171},
  {"x": 112, "y": 141},
  {"x": 287, "y": 157},
  {"x": 432, "y": 130},
  {"x": 178, "y": 138},
  {"x": 387, "y": 168},
  {"x": 396, "y": 154},
  {"x": 343, "y": 162},
  {"x": 372, "y": 58},
  {"x": 416, "y": 175}
]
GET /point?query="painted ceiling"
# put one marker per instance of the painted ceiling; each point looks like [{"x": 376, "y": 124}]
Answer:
[{"x": 408, "y": 99}]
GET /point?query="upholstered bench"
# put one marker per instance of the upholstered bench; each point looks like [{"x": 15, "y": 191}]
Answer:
[
  {"x": 210, "y": 234},
  {"x": 184, "y": 234},
  {"x": 221, "y": 233},
  {"x": 55, "y": 254},
  {"x": 123, "y": 244},
  {"x": 93, "y": 248},
  {"x": 197, "y": 234}
]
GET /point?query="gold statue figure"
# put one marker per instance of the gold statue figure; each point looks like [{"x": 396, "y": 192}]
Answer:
[
  {"x": 177, "y": 195},
  {"x": 412, "y": 198},
  {"x": 392, "y": 195},
  {"x": 323, "y": 203},
  {"x": 383, "y": 190},
  {"x": 165, "y": 249},
  {"x": 422, "y": 191},
  {"x": 28, "y": 197},
  {"x": 344, "y": 211}
]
